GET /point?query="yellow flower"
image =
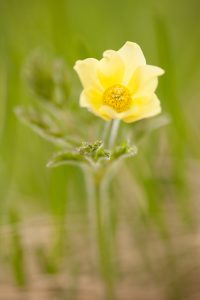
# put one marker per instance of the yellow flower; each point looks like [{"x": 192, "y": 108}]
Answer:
[{"x": 120, "y": 85}]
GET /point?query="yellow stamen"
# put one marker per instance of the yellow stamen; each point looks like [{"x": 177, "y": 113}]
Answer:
[{"x": 118, "y": 97}]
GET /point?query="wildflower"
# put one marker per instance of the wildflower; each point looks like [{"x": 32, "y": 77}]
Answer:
[{"x": 120, "y": 85}]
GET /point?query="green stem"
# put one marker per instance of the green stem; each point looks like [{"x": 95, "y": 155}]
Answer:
[
  {"x": 105, "y": 133},
  {"x": 98, "y": 222},
  {"x": 99, "y": 215},
  {"x": 113, "y": 133}
]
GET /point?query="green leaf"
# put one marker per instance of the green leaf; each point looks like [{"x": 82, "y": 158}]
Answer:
[
  {"x": 95, "y": 151},
  {"x": 90, "y": 148},
  {"x": 43, "y": 125},
  {"x": 47, "y": 79},
  {"x": 123, "y": 151},
  {"x": 91, "y": 154},
  {"x": 64, "y": 158},
  {"x": 102, "y": 154}
]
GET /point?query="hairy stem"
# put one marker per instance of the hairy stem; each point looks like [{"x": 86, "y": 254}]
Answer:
[
  {"x": 114, "y": 132},
  {"x": 100, "y": 230}
]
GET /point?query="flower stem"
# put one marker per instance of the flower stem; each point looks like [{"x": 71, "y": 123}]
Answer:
[
  {"x": 106, "y": 131},
  {"x": 100, "y": 231},
  {"x": 114, "y": 132}
]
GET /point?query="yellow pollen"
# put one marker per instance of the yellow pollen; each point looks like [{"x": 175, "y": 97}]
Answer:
[{"x": 118, "y": 97}]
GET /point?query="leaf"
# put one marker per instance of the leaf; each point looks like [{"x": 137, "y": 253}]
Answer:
[
  {"x": 123, "y": 151},
  {"x": 90, "y": 148},
  {"x": 42, "y": 125},
  {"x": 47, "y": 78},
  {"x": 64, "y": 158},
  {"x": 102, "y": 154},
  {"x": 94, "y": 151}
]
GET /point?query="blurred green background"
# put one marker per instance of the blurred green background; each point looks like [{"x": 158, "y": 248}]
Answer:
[{"x": 156, "y": 193}]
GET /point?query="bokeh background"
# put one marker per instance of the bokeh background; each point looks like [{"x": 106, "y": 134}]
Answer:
[{"x": 154, "y": 199}]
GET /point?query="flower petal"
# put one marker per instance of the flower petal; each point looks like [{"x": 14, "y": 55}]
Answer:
[
  {"x": 146, "y": 108},
  {"x": 143, "y": 107},
  {"x": 133, "y": 57},
  {"x": 109, "y": 113},
  {"x": 144, "y": 79},
  {"x": 87, "y": 71},
  {"x": 111, "y": 69},
  {"x": 92, "y": 99},
  {"x": 126, "y": 67},
  {"x": 84, "y": 100}
]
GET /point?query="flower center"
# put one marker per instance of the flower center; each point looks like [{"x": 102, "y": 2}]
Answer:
[{"x": 118, "y": 97}]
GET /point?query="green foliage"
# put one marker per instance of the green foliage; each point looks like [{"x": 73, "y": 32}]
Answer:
[
  {"x": 95, "y": 151},
  {"x": 42, "y": 124},
  {"x": 123, "y": 151},
  {"x": 92, "y": 154},
  {"x": 63, "y": 158},
  {"x": 48, "y": 80}
]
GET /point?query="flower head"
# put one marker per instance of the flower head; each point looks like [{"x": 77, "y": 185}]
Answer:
[{"x": 120, "y": 85}]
